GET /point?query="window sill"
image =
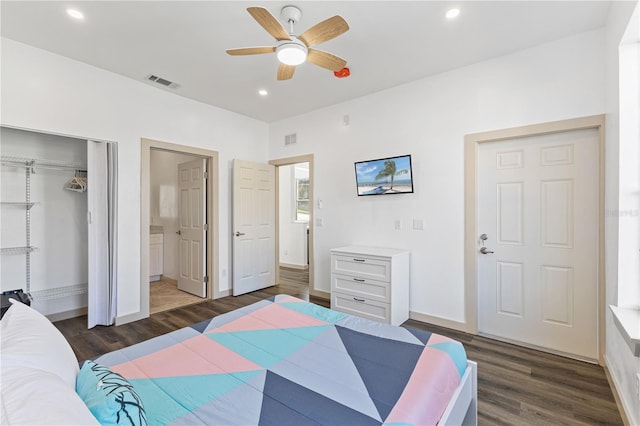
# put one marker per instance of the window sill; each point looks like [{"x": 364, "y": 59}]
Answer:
[{"x": 628, "y": 322}]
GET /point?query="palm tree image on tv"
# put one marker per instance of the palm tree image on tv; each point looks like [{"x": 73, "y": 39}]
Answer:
[
  {"x": 390, "y": 170},
  {"x": 394, "y": 174}
]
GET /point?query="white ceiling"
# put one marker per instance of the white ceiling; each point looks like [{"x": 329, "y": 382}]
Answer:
[{"x": 389, "y": 43}]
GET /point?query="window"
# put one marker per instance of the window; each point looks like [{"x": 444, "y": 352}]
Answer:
[
  {"x": 302, "y": 199},
  {"x": 628, "y": 209}
]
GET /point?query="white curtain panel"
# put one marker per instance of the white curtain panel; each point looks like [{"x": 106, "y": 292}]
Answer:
[{"x": 102, "y": 191}]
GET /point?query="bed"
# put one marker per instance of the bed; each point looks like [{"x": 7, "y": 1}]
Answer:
[{"x": 278, "y": 361}]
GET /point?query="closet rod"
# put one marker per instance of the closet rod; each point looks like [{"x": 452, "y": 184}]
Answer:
[{"x": 34, "y": 163}]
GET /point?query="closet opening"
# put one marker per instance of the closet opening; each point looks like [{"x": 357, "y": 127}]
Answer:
[{"x": 58, "y": 197}]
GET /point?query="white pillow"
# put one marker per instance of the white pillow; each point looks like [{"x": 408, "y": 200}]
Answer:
[
  {"x": 35, "y": 397},
  {"x": 30, "y": 340}
]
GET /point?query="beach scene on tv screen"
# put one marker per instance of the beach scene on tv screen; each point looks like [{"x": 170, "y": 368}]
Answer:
[{"x": 384, "y": 176}]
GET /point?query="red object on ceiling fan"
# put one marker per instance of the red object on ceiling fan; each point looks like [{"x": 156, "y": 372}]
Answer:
[{"x": 344, "y": 72}]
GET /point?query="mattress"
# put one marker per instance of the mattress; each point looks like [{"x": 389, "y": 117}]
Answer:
[{"x": 286, "y": 361}]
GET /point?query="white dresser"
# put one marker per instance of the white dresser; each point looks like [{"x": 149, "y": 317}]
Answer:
[{"x": 371, "y": 282}]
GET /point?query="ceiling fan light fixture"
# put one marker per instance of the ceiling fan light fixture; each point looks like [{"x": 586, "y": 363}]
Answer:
[
  {"x": 75, "y": 14},
  {"x": 291, "y": 52},
  {"x": 452, "y": 13}
]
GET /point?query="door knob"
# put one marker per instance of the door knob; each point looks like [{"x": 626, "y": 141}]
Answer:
[
  {"x": 179, "y": 232},
  {"x": 485, "y": 250},
  {"x": 238, "y": 233}
]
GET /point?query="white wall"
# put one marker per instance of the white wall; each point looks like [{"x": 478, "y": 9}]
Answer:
[
  {"x": 58, "y": 221},
  {"x": 622, "y": 365},
  {"x": 48, "y": 92},
  {"x": 163, "y": 200},
  {"x": 428, "y": 119},
  {"x": 293, "y": 234}
]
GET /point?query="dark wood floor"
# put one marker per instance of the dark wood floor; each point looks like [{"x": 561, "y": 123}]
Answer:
[
  {"x": 294, "y": 276},
  {"x": 516, "y": 386},
  {"x": 521, "y": 386}
]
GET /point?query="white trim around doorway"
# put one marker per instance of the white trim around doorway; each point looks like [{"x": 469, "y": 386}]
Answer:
[
  {"x": 285, "y": 162},
  {"x": 212, "y": 220},
  {"x": 472, "y": 141}
]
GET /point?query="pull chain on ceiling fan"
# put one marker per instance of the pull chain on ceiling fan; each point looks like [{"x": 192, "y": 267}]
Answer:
[{"x": 294, "y": 50}]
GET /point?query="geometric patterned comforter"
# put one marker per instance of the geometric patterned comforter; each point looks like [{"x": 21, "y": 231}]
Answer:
[{"x": 286, "y": 361}]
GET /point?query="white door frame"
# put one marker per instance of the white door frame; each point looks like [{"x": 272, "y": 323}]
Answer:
[
  {"x": 287, "y": 162},
  {"x": 213, "y": 291},
  {"x": 471, "y": 215}
]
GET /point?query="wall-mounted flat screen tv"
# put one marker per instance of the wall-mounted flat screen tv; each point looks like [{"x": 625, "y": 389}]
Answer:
[{"x": 384, "y": 176}]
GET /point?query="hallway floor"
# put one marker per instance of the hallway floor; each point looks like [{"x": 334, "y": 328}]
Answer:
[{"x": 164, "y": 295}]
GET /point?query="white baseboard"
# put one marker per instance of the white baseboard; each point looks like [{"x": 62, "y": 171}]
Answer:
[
  {"x": 67, "y": 314},
  {"x": 623, "y": 407},
  {"x": 130, "y": 318},
  {"x": 439, "y": 321},
  {"x": 321, "y": 294},
  {"x": 223, "y": 293}
]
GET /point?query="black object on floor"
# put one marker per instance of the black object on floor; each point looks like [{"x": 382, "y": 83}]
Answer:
[{"x": 13, "y": 294}]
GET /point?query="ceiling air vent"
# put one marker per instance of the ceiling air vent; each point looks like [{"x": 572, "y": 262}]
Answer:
[
  {"x": 290, "y": 139},
  {"x": 162, "y": 81}
]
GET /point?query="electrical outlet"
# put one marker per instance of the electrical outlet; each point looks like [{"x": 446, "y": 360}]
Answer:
[{"x": 397, "y": 224}]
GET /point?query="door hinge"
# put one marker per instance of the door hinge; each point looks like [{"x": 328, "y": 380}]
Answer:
[
  {"x": 205, "y": 227},
  {"x": 206, "y": 175},
  {"x": 206, "y": 279}
]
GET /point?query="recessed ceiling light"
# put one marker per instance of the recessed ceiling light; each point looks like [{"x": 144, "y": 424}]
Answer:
[
  {"x": 262, "y": 92},
  {"x": 76, "y": 14},
  {"x": 452, "y": 13}
]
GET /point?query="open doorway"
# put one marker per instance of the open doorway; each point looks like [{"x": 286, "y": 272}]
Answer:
[
  {"x": 160, "y": 216},
  {"x": 293, "y": 223},
  {"x": 171, "y": 280},
  {"x": 294, "y": 211}
]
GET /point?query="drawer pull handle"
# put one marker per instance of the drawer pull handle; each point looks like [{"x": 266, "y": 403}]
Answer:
[
  {"x": 358, "y": 300},
  {"x": 358, "y": 260},
  {"x": 360, "y": 280}
]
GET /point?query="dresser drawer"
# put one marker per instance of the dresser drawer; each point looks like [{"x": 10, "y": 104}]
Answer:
[
  {"x": 361, "y": 287},
  {"x": 361, "y": 267},
  {"x": 361, "y": 307}
]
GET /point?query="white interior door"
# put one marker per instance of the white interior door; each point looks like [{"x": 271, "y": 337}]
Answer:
[
  {"x": 253, "y": 226},
  {"x": 193, "y": 229},
  {"x": 538, "y": 207}
]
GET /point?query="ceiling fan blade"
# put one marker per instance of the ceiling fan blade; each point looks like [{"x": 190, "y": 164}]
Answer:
[
  {"x": 285, "y": 72},
  {"x": 324, "y": 31},
  {"x": 269, "y": 23},
  {"x": 251, "y": 50},
  {"x": 325, "y": 60}
]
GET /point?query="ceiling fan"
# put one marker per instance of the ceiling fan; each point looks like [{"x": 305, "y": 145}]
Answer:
[{"x": 293, "y": 50}]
